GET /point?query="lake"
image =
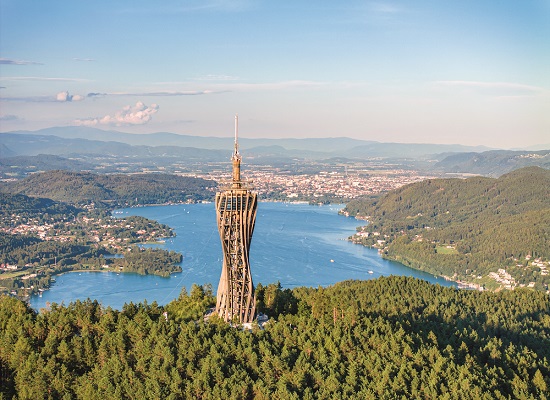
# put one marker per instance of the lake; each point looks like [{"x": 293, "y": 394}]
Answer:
[{"x": 295, "y": 244}]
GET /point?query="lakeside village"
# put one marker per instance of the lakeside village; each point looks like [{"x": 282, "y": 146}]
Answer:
[
  {"x": 109, "y": 235},
  {"x": 502, "y": 278},
  {"x": 87, "y": 241},
  {"x": 94, "y": 240}
]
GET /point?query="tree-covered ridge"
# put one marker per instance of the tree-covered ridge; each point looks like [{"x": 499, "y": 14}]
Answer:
[
  {"x": 20, "y": 166},
  {"x": 466, "y": 229},
  {"x": 493, "y": 163},
  {"x": 18, "y": 208},
  {"x": 389, "y": 338},
  {"x": 127, "y": 190}
]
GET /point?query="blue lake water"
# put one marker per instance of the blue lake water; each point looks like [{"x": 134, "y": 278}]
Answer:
[{"x": 295, "y": 244}]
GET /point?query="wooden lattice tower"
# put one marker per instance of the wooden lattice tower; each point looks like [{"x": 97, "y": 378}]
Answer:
[{"x": 236, "y": 208}]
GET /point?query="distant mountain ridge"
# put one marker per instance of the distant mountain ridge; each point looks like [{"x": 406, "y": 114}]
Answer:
[
  {"x": 493, "y": 163},
  {"x": 203, "y": 142},
  {"x": 343, "y": 146},
  {"x": 164, "y": 150},
  {"x": 41, "y": 162}
]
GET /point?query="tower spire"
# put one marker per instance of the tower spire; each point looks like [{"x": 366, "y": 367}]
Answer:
[
  {"x": 236, "y": 158},
  {"x": 236, "y": 134}
]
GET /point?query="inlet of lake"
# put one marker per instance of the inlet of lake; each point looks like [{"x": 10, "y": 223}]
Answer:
[{"x": 295, "y": 244}]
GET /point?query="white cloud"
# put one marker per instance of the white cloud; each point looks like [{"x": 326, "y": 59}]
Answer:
[
  {"x": 61, "y": 97},
  {"x": 65, "y": 96},
  {"x": 137, "y": 115},
  {"x": 18, "y": 62}
]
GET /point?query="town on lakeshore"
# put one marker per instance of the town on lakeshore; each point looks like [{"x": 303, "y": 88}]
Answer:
[
  {"x": 88, "y": 237},
  {"x": 112, "y": 234}
]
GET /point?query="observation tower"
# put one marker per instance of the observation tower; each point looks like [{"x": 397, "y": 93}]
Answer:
[{"x": 236, "y": 208}]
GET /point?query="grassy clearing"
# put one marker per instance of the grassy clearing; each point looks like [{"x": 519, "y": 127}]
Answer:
[
  {"x": 446, "y": 250},
  {"x": 15, "y": 274}
]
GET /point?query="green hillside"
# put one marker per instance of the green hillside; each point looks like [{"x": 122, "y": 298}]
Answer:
[
  {"x": 493, "y": 163},
  {"x": 390, "y": 338},
  {"x": 20, "y": 166},
  {"x": 38, "y": 208},
  {"x": 84, "y": 188},
  {"x": 466, "y": 228}
]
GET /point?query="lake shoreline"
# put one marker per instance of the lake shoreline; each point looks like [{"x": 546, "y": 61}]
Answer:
[{"x": 296, "y": 244}]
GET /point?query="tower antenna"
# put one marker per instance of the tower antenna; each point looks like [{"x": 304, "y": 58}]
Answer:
[{"x": 236, "y": 134}]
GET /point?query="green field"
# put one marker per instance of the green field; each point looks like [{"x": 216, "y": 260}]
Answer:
[
  {"x": 446, "y": 250},
  {"x": 14, "y": 274}
]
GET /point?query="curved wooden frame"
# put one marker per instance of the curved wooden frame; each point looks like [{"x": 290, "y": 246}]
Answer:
[{"x": 236, "y": 209}]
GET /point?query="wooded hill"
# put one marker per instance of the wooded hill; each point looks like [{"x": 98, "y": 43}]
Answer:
[
  {"x": 390, "y": 338},
  {"x": 33, "y": 207},
  {"x": 465, "y": 228},
  {"x": 20, "y": 166},
  {"x": 493, "y": 163},
  {"x": 118, "y": 190}
]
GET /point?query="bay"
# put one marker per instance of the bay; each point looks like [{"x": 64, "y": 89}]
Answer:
[{"x": 295, "y": 244}]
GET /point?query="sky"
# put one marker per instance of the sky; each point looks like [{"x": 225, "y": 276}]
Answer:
[{"x": 426, "y": 71}]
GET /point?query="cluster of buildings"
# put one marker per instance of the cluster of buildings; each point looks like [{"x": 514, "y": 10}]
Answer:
[
  {"x": 98, "y": 230},
  {"x": 506, "y": 280},
  {"x": 344, "y": 184},
  {"x": 44, "y": 231}
]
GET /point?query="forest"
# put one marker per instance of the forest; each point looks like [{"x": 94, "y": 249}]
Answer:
[
  {"x": 112, "y": 190},
  {"x": 390, "y": 338},
  {"x": 18, "y": 208},
  {"x": 148, "y": 261},
  {"x": 465, "y": 228}
]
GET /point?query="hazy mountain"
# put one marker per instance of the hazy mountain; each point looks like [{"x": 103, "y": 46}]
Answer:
[
  {"x": 536, "y": 147},
  {"x": 208, "y": 142},
  {"x": 31, "y": 145},
  {"x": 493, "y": 163},
  {"x": 22, "y": 165},
  {"x": 5, "y": 151},
  {"x": 408, "y": 150},
  {"x": 78, "y": 140}
]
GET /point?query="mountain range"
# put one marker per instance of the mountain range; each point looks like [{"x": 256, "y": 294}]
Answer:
[
  {"x": 84, "y": 137},
  {"x": 86, "y": 147}
]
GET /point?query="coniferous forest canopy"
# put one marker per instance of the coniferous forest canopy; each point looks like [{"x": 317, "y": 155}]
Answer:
[
  {"x": 465, "y": 228},
  {"x": 388, "y": 338}
]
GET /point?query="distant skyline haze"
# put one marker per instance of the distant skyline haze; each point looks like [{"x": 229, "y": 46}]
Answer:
[{"x": 468, "y": 72}]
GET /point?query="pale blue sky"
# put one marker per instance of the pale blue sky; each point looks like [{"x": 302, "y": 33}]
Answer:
[{"x": 469, "y": 72}]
